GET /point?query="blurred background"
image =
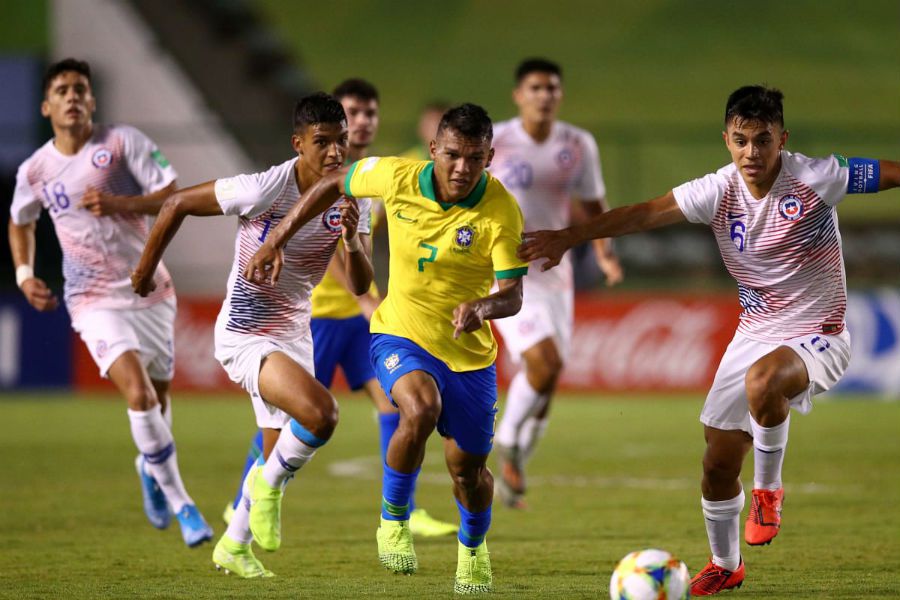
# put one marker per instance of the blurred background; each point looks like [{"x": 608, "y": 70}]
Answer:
[{"x": 213, "y": 82}]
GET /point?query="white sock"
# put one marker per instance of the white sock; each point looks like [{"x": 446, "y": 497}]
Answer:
[
  {"x": 288, "y": 455},
  {"x": 153, "y": 439},
  {"x": 239, "y": 526},
  {"x": 723, "y": 528},
  {"x": 530, "y": 434},
  {"x": 769, "y": 444},
  {"x": 167, "y": 414},
  {"x": 522, "y": 401}
]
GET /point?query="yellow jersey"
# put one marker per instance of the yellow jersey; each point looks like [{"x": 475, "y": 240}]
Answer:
[
  {"x": 441, "y": 255},
  {"x": 330, "y": 299}
]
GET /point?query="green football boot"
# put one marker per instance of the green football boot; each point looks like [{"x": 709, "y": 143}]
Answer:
[
  {"x": 473, "y": 570},
  {"x": 265, "y": 511},
  {"x": 423, "y": 524},
  {"x": 237, "y": 558},
  {"x": 395, "y": 547}
]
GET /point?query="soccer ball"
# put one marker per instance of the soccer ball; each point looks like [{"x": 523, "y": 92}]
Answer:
[{"x": 650, "y": 575}]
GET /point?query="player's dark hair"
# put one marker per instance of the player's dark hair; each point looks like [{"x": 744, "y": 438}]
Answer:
[
  {"x": 356, "y": 88},
  {"x": 537, "y": 65},
  {"x": 755, "y": 103},
  {"x": 317, "y": 108},
  {"x": 469, "y": 120},
  {"x": 67, "y": 64}
]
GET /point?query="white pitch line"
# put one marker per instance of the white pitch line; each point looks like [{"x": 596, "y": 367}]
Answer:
[{"x": 369, "y": 468}]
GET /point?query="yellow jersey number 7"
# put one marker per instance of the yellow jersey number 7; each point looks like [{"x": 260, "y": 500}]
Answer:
[{"x": 430, "y": 258}]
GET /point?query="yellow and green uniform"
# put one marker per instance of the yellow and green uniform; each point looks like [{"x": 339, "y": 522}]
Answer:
[{"x": 441, "y": 255}]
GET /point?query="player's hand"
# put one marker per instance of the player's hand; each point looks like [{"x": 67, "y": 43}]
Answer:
[
  {"x": 544, "y": 244},
  {"x": 467, "y": 317},
  {"x": 265, "y": 265},
  {"x": 98, "y": 203},
  {"x": 612, "y": 269},
  {"x": 142, "y": 283},
  {"x": 349, "y": 219},
  {"x": 39, "y": 295}
]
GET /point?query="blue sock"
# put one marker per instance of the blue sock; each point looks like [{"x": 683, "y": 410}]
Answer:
[
  {"x": 396, "y": 490},
  {"x": 252, "y": 456},
  {"x": 387, "y": 425},
  {"x": 473, "y": 526}
]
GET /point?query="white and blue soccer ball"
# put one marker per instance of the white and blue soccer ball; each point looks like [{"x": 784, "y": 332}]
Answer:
[{"x": 650, "y": 575}]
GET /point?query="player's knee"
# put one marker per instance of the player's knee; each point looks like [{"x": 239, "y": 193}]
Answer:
[
  {"x": 422, "y": 411},
  {"x": 543, "y": 374},
  {"x": 719, "y": 470},
  {"x": 140, "y": 397},
  {"x": 760, "y": 383},
  {"x": 470, "y": 479},
  {"x": 324, "y": 416}
]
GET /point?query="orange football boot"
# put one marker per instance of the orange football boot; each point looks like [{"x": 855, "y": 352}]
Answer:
[
  {"x": 714, "y": 579},
  {"x": 764, "y": 519}
]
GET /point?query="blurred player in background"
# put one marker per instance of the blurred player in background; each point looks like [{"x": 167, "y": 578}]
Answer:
[
  {"x": 99, "y": 183},
  {"x": 262, "y": 334},
  {"x": 545, "y": 164},
  {"x": 429, "y": 119},
  {"x": 340, "y": 320},
  {"x": 452, "y": 229},
  {"x": 774, "y": 216}
]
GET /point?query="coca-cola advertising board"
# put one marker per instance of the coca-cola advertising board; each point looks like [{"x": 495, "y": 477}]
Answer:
[
  {"x": 620, "y": 342},
  {"x": 645, "y": 342}
]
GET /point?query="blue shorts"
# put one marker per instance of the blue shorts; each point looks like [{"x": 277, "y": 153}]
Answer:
[
  {"x": 344, "y": 343},
  {"x": 468, "y": 399}
]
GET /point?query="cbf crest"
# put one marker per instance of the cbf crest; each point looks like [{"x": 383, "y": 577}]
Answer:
[
  {"x": 392, "y": 362},
  {"x": 464, "y": 238},
  {"x": 791, "y": 207},
  {"x": 332, "y": 219}
]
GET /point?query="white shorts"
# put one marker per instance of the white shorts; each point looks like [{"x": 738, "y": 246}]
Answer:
[
  {"x": 826, "y": 358},
  {"x": 241, "y": 356},
  {"x": 109, "y": 332},
  {"x": 541, "y": 317}
]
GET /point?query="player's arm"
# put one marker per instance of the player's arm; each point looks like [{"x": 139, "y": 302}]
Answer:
[
  {"x": 199, "y": 200},
  {"x": 266, "y": 264},
  {"x": 604, "y": 251},
  {"x": 889, "y": 174},
  {"x": 652, "y": 214},
  {"x": 358, "y": 272},
  {"x": 22, "y": 245},
  {"x": 505, "y": 302},
  {"x": 102, "y": 204}
]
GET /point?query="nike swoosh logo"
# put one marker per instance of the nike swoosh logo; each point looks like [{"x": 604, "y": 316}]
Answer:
[
  {"x": 405, "y": 219},
  {"x": 735, "y": 215}
]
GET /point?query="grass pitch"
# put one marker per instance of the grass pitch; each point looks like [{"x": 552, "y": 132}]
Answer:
[{"x": 613, "y": 475}]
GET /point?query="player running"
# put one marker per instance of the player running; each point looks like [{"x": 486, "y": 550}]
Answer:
[
  {"x": 545, "y": 164},
  {"x": 452, "y": 228},
  {"x": 773, "y": 213},
  {"x": 99, "y": 183},
  {"x": 262, "y": 334},
  {"x": 340, "y": 320}
]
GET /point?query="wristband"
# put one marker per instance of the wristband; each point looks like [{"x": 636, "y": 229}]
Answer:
[
  {"x": 353, "y": 244},
  {"x": 23, "y": 274}
]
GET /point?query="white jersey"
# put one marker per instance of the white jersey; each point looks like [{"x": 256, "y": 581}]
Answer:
[
  {"x": 545, "y": 177},
  {"x": 99, "y": 253},
  {"x": 261, "y": 200},
  {"x": 784, "y": 250}
]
